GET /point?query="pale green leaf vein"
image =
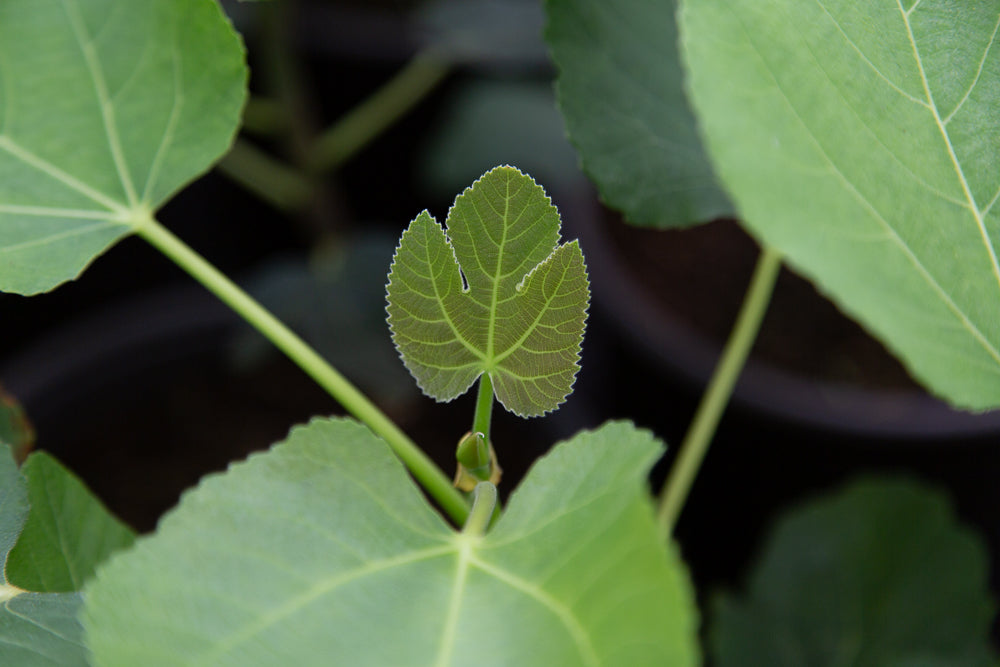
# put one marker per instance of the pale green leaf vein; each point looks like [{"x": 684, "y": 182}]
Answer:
[
  {"x": 891, "y": 233},
  {"x": 440, "y": 301},
  {"x": 993, "y": 201},
  {"x": 62, "y": 236},
  {"x": 951, "y": 149},
  {"x": 358, "y": 481},
  {"x": 494, "y": 295},
  {"x": 171, "y": 127},
  {"x": 11, "y": 147},
  {"x": 867, "y": 61},
  {"x": 33, "y": 621},
  {"x": 453, "y": 613},
  {"x": 819, "y": 60},
  {"x": 104, "y": 99},
  {"x": 542, "y": 312},
  {"x": 979, "y": 73},
  {"x": 581, "y": 638},
  {"x": 52, "y": 212},
  {"x": 321, "y": 588}
]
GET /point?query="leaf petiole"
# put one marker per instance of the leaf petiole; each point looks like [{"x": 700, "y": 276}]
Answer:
[
  {"x": 421, "y": 467},
  {"x": 720, "y": 388},
  {"x": 484, "y": 502},
  {"x": 484, "y": 407}
]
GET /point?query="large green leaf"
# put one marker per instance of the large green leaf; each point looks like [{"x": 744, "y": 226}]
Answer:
[
  {"x": 107, "y": 107},
  {"x": 861, "y": 140},
  {"x": 322, "y": 551},
  {"x": 621, "y": 94},
  {"x": 494, "y": 295},
  {"x": 41, "y": 628},
  {"x": 68, "y": 531},
  {"x": 877, "y": 574}
]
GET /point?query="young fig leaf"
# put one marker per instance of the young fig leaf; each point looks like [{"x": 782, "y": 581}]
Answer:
[{"x": 494, "y": 294}]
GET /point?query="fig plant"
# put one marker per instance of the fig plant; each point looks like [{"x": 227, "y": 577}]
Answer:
[{"x": 324, "y": 549}]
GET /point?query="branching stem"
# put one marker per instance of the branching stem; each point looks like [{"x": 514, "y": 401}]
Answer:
[
  {"x": 720, "y": 388},
  {"x": 368, "y": 120},
  {"x": 420, "y": 466}
]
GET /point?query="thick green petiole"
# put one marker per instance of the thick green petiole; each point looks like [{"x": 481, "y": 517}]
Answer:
[
  {"x": 484, "y": 407},
  {"x": 484, "y": 503},
  {"x": 420, "y": 466},
  {"x": 720, "y": 388}
]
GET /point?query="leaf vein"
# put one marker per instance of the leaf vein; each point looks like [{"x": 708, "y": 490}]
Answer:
[
  {"x": 101, "y": 89},
  {"x": 973, "y": 208}
]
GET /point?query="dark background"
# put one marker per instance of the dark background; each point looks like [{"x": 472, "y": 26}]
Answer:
[{"x": 141, "y": 382}]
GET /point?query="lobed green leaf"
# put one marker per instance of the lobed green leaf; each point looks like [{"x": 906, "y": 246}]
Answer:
[
  {"x": 107, "y": 107},
  {"x": 323, "y": 550},
  {"x": 494, "y": 294},
  {"x": 861, "y": 141}
]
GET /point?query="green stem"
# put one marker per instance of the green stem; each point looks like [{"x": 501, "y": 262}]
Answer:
[
  {"x": 363, "y": 123},
  {"x": 484, "y": 407},
  {"x": 484, "y": 504},
  {"x": 720, "y": 388},
  {"x": 420, "y": 466},
  {"x": 273, "y": 181}
]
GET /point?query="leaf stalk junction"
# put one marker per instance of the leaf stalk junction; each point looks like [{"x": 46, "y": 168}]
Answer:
[{"x": 420, "y": 465}]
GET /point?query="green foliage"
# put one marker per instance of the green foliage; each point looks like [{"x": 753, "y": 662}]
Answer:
[
  {"x": 879, "y": 573},
  {"x": 67, "y": 533},
  {"x": 495, "y": 294},
  {"x": 38, "y": 627},
  {"x": 108, "y": 109},
  {"x": 621, "y": 94},
  {"x": 860, "y": 140},
  {"x": 323, "y": 549}
]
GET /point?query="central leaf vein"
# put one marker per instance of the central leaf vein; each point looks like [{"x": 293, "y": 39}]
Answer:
[
  {"x": 891, "y": 232},
  {"x": 104, "y": 99},
  {"x": 973, "y": 208}
]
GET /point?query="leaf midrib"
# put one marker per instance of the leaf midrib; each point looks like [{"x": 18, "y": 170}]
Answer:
[
  {"x": 467, "y": 558},
  {"x": 494, "y": 296},
  {"x": 960, "y": 315},
  {"x": 956, "y": 164},
  {"x": 104, "y": 99}
]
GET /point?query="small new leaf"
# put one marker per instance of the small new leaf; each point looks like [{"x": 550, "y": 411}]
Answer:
[{"x": 495, "y": 294}]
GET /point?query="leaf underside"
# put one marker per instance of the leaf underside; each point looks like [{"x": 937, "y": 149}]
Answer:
[
  {"x": 323, "y": 549},
  {"x": 861, "y": 141},
  {"x": 495, "y": 294},
  {"x": 107, "y": 107},
  {"x": 621, "y": 95},
  {"x": 880, "y": 573}
]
